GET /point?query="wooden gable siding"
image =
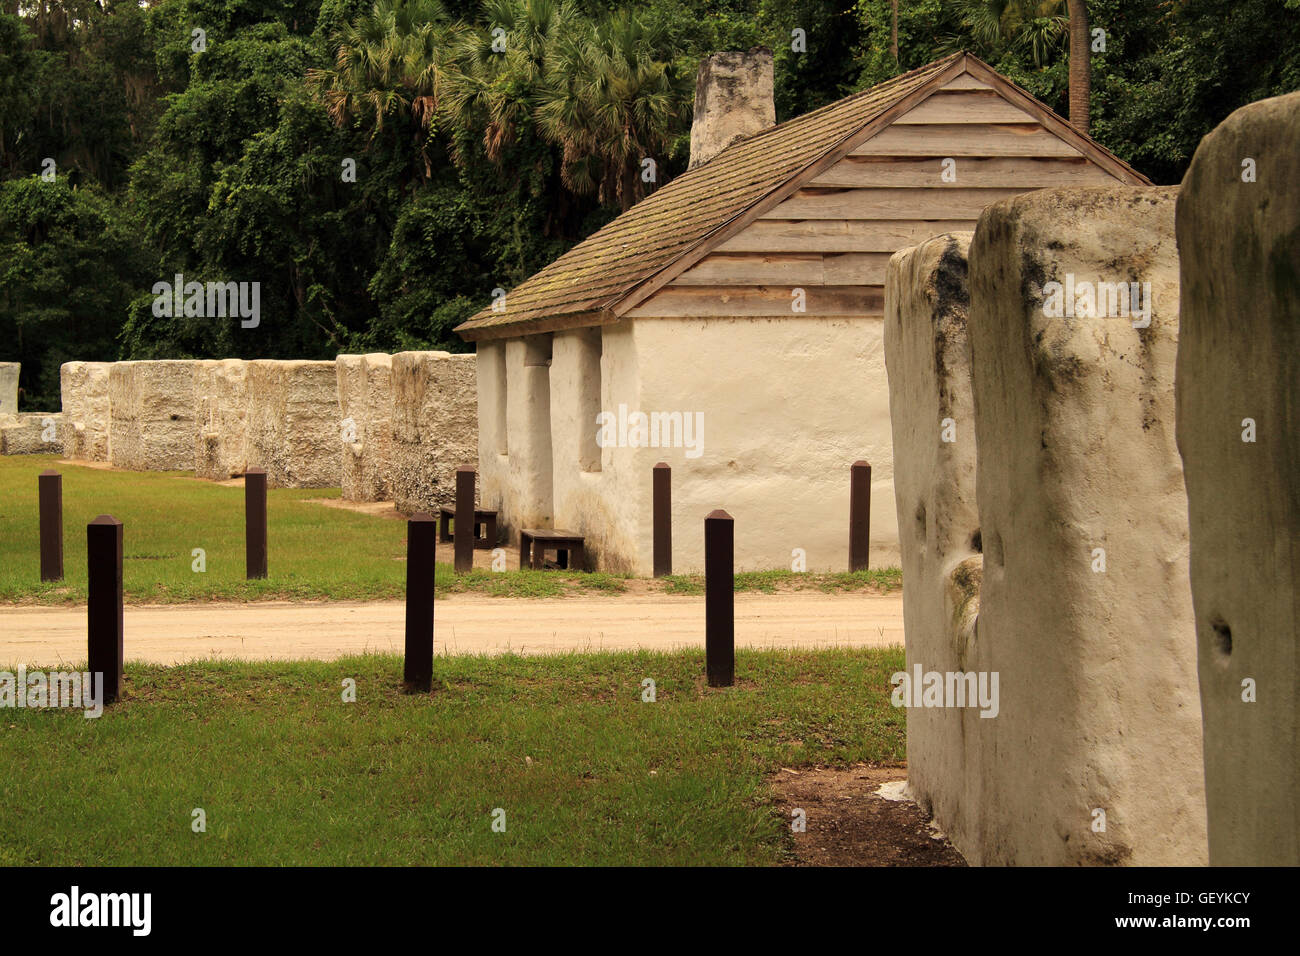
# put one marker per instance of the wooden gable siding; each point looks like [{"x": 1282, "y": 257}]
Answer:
[{"x": 834, "y": 236}]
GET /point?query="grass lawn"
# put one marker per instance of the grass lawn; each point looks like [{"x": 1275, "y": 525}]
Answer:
[
  {"x": 587, "y": 773},
  {"x": 316, "y": 552}
]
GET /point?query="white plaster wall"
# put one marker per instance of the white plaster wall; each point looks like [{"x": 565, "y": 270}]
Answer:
[
  {"x": 493, "y": 467},
  {"x": 789, "y": 405},
  {"x": 519, "y": 483},
  {"x": 610, "y": 507}
]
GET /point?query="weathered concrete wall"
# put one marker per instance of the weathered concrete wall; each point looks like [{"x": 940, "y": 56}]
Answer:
[
  {"x": 927, "y": 355},
  {"x": 365, "y": 389},
  {"x": 221, "y": 417},
  {"x": 414, "y": 416},
  {"x": 83, "y": 388},
  {"x": 435, "y": 412},
  {"x": 1239, "y": 359},
  {"x": 1074, "y": 420},
  {"x": 9, "y": 387},
  {"x": 151, "y": 415},
  {"x": 31, "y": 433},
  {"x": 293, "y": 428}
]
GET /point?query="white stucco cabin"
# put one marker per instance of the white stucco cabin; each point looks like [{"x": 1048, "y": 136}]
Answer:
[{"x": 748, "y": 295}]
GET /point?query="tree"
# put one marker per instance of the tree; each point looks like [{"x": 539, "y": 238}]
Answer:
[
  {"x": 70, "y": 261},
  {"x": 1080, "y": 65},
  {"x": 612, "y": 100},
  {"x": 387, "y": 62}
]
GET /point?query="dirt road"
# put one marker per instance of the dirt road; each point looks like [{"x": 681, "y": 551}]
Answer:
[{"x": 171, "y": 634}]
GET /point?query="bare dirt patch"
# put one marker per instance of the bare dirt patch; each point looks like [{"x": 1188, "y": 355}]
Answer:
[
  {"x": 380, "y": 509},
  {"x": 848, "y": 824}
]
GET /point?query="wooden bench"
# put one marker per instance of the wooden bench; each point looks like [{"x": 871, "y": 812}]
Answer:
[
  {"x": 535, "y": 542},
  {"x": 487, "y": 520}
]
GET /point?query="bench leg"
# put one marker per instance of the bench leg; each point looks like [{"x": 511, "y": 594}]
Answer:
[
  {"x": 444, "y": 528},
  {"x": 539, "y": 555},
  {"x": 490, "y": 533},
  {"x": 578, "y": 557}
]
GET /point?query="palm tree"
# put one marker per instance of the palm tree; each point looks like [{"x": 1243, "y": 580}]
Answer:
[
  {"x": 1080, "y": 65},
  {"x": 607, "y": 94},
  {"x": 1039, "y": 27},
  {"x": 612, "y": 100},
  {"x": 387, "y": 63},
  {"x": 496, "y": 77}
]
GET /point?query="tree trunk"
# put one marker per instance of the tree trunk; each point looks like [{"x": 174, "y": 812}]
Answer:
[
  {"x": 1080, "y": 65},
  {"x": 893, "y": 30}
]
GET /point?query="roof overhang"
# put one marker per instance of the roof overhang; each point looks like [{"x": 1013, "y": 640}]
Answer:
[{"x": 548, "y": 323}]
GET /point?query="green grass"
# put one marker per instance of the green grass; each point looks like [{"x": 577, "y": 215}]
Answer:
[
  {"x": 287, "y": 773},
  {"x": 316, "y": 552},
  {"x": 771, "y": 582}
]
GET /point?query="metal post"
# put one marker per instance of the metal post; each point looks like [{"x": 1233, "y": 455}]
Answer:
[
  {"x": 49, "y": 487},
  {"x": 719, "y": 599},
  {"x": 463, "y": 537},
  {"x": 421, "y": 552},
  {"x": 663, "y": 519},
  {"x": 255, "y": 523},
  {"x": 104, "y": 604},
  {"x": 859, "y": 515}
]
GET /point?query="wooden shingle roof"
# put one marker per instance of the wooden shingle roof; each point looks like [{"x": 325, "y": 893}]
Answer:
[{"x": 631, "y": 257}]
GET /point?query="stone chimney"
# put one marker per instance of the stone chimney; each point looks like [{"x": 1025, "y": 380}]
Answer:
[{"x": 733, "y": 100}]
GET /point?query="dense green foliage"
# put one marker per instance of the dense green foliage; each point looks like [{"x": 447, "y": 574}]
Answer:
[{"x": 485, "y": 138}]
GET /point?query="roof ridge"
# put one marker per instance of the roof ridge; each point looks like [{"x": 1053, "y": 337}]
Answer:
[
  {"x": 684, "y": 216},
  {"x": 883, "y": 87},
  {"x": 690, "y": 176}
]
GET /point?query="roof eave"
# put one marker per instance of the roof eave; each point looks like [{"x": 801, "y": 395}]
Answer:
[{"x": 549, "y": 323}]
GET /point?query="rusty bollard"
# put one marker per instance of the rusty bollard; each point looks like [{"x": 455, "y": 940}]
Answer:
[
  {"x": 719, "y": 599},
  {"x": 463, "y": 538},
  {"x": 49, "y": 486},
  {"x": 663, "y": 520},
  {"x": 104, "y": 604},
  {"x": 421, "y": 548},
  {"x": 255, "y": 523},
  {"x": 859, "y": 515}
]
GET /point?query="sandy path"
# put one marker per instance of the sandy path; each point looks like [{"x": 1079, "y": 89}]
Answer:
[{"x": 464, "y": 624}]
